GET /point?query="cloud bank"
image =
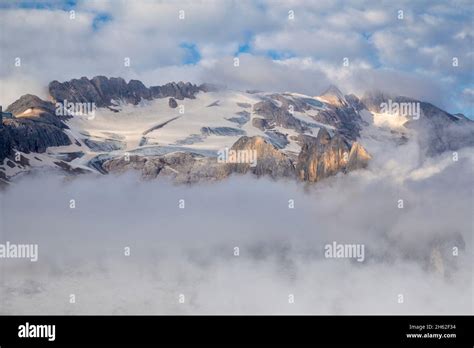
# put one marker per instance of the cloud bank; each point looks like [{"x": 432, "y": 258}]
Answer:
[
  {"x": 190, "y": 251},
  {"x": 408, "y": 53}
]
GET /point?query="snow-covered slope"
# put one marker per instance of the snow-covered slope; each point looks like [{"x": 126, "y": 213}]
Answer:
[{"x": 150, "y": 123}]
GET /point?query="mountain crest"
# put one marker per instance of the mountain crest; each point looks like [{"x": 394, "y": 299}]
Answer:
[
  {"x": 333, "y": 95},
  {"x": 103, "y": 91}
]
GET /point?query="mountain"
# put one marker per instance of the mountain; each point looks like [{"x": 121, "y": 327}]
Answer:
[
  {"x": 105, "y": 92},
  {"x": 326, "y": 156},
  {"x": 34, "y": 129},
  {"x": 180, "y": 130},
  {"x": 334, "y": 96},
  {"x": 438, "y": 131}
]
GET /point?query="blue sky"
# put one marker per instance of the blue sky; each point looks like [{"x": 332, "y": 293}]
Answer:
[{"x": 412, "y": 55}]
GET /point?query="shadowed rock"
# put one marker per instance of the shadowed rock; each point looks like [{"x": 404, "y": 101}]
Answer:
[
  {"x": 172, "y": 103},
  {"x": 36, "y": 128},
  {"x": 103, "y": 91}
]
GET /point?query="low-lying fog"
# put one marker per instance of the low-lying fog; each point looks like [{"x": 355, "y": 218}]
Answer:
[{"x": 190, "y": 251}]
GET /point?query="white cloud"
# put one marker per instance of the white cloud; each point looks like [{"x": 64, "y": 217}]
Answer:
[
  {"x": 423, "y": 44},
  {"x": 190, "y": 250}
]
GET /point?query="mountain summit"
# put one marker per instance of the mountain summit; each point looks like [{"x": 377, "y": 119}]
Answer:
[
  {"x": 179, "y": 130},
  {"x": 334, "y": 96}
]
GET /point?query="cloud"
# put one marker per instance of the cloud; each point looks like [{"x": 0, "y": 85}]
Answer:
[
  {"x": 419, "y": 47},
  {"x": 264, "y": 74},
  {"x": 190, "y": 251}
]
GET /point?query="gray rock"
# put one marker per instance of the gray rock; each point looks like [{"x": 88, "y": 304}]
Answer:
[
  {"x": 172, "y": 103},
  {"x": 27, "y": 136},
  {"x": 226, "y": 131},
  {"x": 244, "y": 117},
  {"x": 438, "y": 131},
  {"x": 31, "y": 134},
  {"x": 279, "y": 140},
  {"x": 30, "y": 101},
  {"x": 244, "y": 105},
  {"x": 178, "y": 90},
  {"x": 106, "y": 145},
  {"x": 102, "y": 91},
  {"x": 279, "y": 116},
  {"x": 261, "y": 123},
  {"x": 270, "y": 161}
]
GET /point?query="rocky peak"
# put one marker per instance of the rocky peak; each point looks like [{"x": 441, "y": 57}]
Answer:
[
  {"x": 30, "y": 104},
  {"x": 334, "y": 96},
  {"x": 358, "y": 157},
  {"x": 211, "y": 87},
  {"x": 327, "y": 156},
  {"x": 438, "y": 131},
  {"x": 278, "y": 115},
  {"x": 34, "y": 128},
  {"x": 175, "y": 90},
  {"x": 103, "y": 91},
  {"x": 355, "y": 102},
  {"x": 270, "y": 161}
]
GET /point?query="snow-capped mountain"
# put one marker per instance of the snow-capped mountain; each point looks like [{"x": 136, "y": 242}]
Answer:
[{"x": 181, "y": 130}]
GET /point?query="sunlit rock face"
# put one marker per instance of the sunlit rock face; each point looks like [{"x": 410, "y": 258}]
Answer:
[
  {"x": 328, "y": 156},
  {"x": 179, "y": 166},
  {"x": 322, "y": 158},
  {"x": 358, "y": 157},
  {"x": 269, "y": 160}
]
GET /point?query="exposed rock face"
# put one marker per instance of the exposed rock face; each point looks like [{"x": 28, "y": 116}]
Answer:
[
  {"x": 34, "y": 108},
  {"x": 172, "y": 103},
  {"x": 102, "y": 90},
  {"x": 210, "y": 87},
  {"x": 35, "y": 130},
  {"x": 178, "y": 90},
  {"x": 355, "y": 102},
  {"x": 323, "y": 158},
  {"x": 223, "y": 131},
  {"x": 77, "y": 91},
  {"x": 358, "y": 157},
  {"x": 328, "y": 156},
  {"x": 338, "y": 112},
  {"x": 279, "y": 140},
  {"x": 137, "y": 91},
  {"x": 27, "y": 136},
  {"x": 270, "y": 161},
  {"x": 150, "y": 167},
  {"x": 334, "y": 96},
  {"x": 260, "y": 123},
  {"x": 275, "y": 115},
  {"x": 346, "y": 120},
  {"x": 30, "y": 101},
  {"x": 243, "y": 118},
  {"x": 320, "y": 158},
  {"x": 373, "y": 100},
  {"x": 438, "y": 131},
  {"x": 180, "y": 166}
]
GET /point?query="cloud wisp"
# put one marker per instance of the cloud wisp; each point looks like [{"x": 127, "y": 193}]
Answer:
[{"x": 281, "y": 250}]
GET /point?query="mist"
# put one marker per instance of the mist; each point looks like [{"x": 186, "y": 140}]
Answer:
[{"x": 190, "y": 251}]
